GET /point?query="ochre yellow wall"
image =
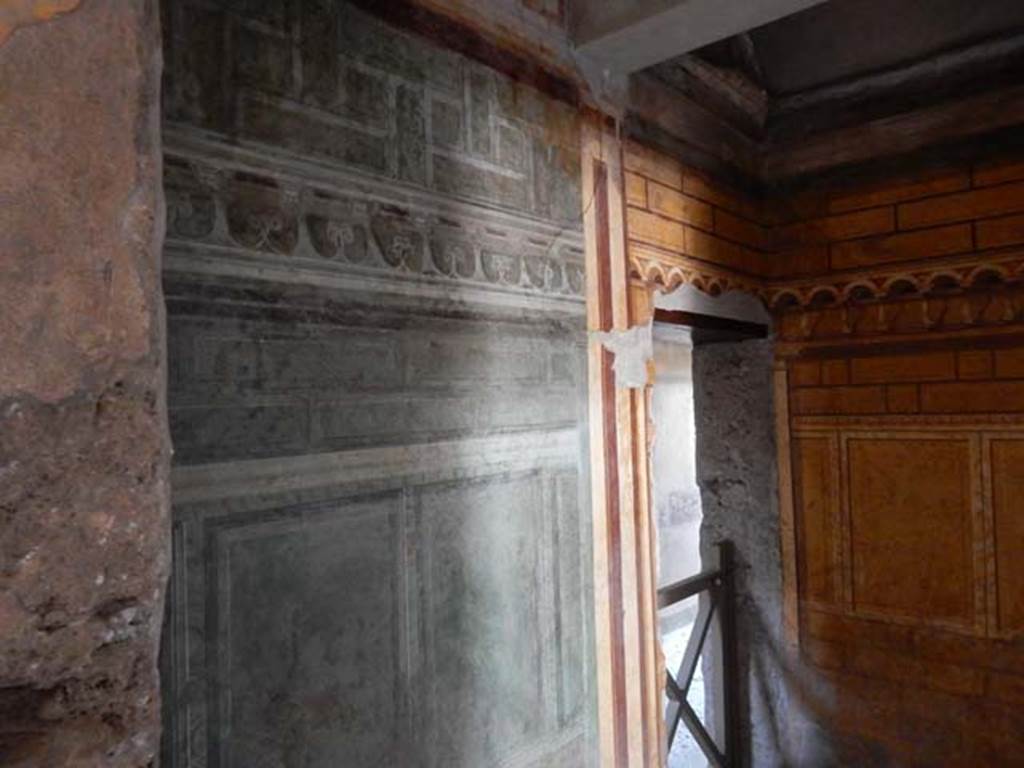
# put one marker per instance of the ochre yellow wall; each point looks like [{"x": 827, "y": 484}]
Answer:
[{"x": 900, "y": 346}]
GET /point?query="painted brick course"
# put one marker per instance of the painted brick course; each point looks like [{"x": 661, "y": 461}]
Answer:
[
  {"x": 678, "y": 210},
  {"x": 954, "y": 214},
  {"x": 966, "y": 381}
]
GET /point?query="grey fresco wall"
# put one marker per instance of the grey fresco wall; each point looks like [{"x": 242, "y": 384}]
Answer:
[{"x": 374, "y": 280}]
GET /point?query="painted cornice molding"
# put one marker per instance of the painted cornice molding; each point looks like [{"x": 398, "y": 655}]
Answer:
[{"x": 935, "y": 281}]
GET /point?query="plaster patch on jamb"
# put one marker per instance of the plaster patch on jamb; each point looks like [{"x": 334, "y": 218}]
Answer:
[{"x": 633, "y": 350}]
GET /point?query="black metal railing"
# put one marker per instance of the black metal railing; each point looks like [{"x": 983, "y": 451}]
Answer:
[{"x": 715, "y": 587}]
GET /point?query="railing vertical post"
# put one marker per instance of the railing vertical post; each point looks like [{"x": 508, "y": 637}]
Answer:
[{"x": 730, "y": 655}]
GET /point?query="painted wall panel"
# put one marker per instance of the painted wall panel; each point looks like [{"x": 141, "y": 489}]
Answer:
[
  {"x": 816, "y": 475},
  {"x": 910, "y": 527},
  {"x": 1007, "y": 459},
  {"x": 913, "y": 661},
  {"x": 287, "y": 688},
  {"x": 374, "y": 281}
]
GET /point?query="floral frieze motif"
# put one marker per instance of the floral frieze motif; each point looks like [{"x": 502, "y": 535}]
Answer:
[
  {"x": 502, "y": 268},
  {"x": 543, "y": 272},
  {"x": 455, "y": 258},
  {"x": 271, "y": 217},
  {"x": 400, "y": 244},
  {"x": 263, "y": 229},
  {"x": 575, "y": 274},
  {"x": 190, "y": 192},
  {"x": 263, "y": 217},
  {"x": 190, "y": 213},
  {"x": 335, "y": 239}
]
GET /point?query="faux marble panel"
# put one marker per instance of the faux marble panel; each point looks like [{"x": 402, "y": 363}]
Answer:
[
  {"x": 911, "y": 527},
  {"x": 433, "y": 624},
  {"x": 306, "y": 643},
  {"x": 485, "y": 609}
]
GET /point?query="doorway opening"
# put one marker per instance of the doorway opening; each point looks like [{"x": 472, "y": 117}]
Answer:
[
  {"x": 696, "y": 616},
  {"x": 677, "y": 508}
]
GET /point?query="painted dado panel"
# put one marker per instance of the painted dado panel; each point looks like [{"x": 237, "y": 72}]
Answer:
[
  {"x": 481, "y": 636},
  {"x": 816, "y": 468},
  {"x": 375, "y": 626},
  {"x": 911, "y": 502},
  {"x": 908, "y": 538},
  {"x": 282, "y": 651},
  {"x": 1005, "y": 455},
  {"x": 374, "y": 282},
  {"x": 904, "y": 514},
  {"x": 891, "y": 523},
  {"x": 907, "y": 422}
]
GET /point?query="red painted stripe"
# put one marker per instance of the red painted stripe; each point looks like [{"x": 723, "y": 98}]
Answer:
[
  {"x": 604, "y": 259},
  {"x": 614, "y": 555},
  {"x": 611, "y": 458},
  {"x": 641, "y": 598}
]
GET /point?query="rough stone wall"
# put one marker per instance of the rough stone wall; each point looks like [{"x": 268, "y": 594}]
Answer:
[
  {"x": 83, "y": 447},
  {"x": 737, "y": 474},
  {"x": 374, "y": 279}
]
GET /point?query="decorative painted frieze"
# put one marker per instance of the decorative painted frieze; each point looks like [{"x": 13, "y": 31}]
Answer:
[{"x": 256, "y": 213}]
